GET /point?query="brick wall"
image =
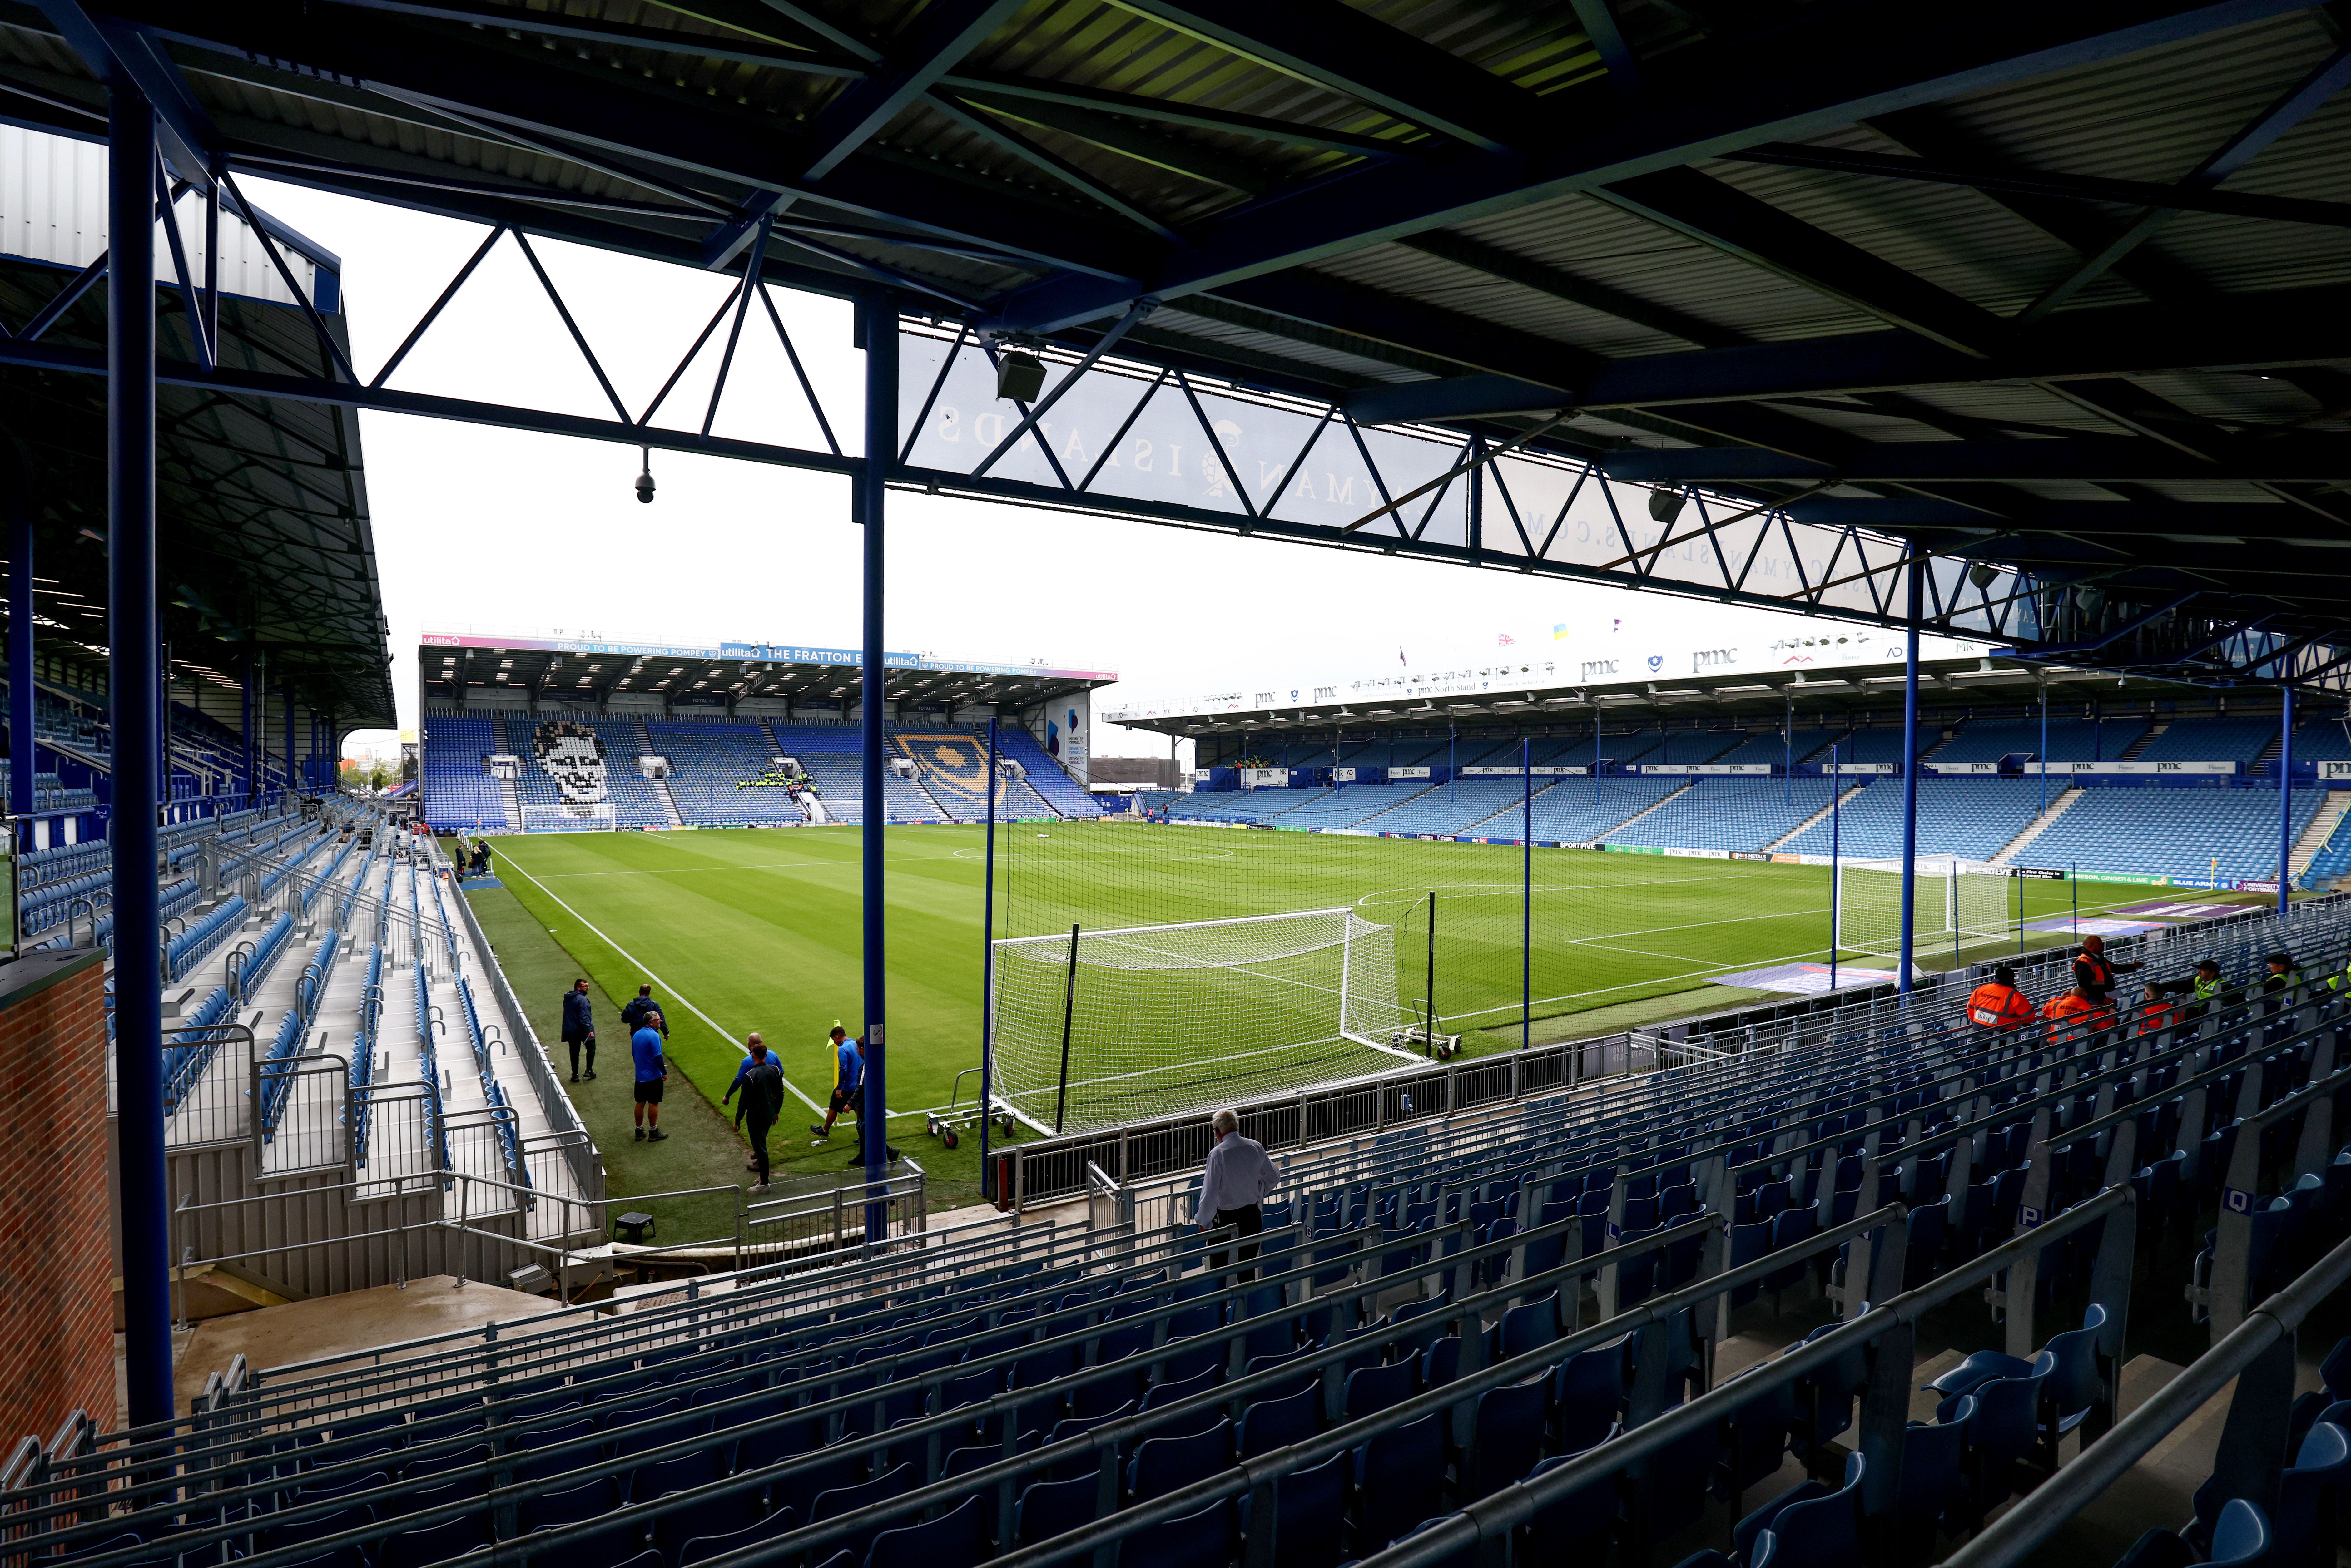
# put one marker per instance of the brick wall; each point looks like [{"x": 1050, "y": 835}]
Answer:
[{"x": 57, "y": 1224}]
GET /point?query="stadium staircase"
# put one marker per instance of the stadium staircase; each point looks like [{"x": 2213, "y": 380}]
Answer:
[
  {"x": 664, "y": 795},
  {"x": 1686, "y": 1304},
  {"x": 2137, "y": 749},
  {"x": 1656, "y": 805},
  {"x": 2321, "y": 831},
  {"x": 1800, "y": 829},
  {"x": 2039, "y": 825}
]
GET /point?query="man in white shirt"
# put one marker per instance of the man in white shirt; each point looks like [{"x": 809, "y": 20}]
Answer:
[{"x": 1233, "y": 1186}]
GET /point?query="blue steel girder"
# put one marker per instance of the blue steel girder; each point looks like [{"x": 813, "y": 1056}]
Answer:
[{"x": 1812, "y": 75}]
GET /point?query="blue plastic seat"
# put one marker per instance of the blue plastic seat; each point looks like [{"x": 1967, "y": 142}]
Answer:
[
  {"x": 842, "y": 1500},
  {"x": 2240, "y": 1539},
  {"x": 1820, "y": 1532},
  {"x": 956, "y": 1539},
  {"x": 1934, "y": 1476},
  {"x": 1271, "y": 1424},
  {"x": 1588, "y": 1392},
  {"x": 1577, "y": 1527},
  {"x": 1174, "y": 1391},
  {"x": 1531, "y": 1325},
  {"x": 1202, "y": 1540},
  {"x": 1162, "y": 1465},
  {"x": 1312, "y": 1504},
  {"x": 698, "y": 1548},
  {"x": 2003, "y": 1429},
  {"x": 1397, "y": 1476},
  {"x": 1047, "y": 1509},
  {"x": 2310, "y": 1495},
  {"x": 1372, "y": 1389},
  {"x": 1508, "y": 1436},
  {"x": 436, "y": 1543},
  {"x": 570, "y": 1506}
]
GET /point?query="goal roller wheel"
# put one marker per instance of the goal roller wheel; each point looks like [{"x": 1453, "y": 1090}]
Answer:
[
  {"x": 947, "y": 1137},
  {"x": 931, "y": 1126},
  {"x": 1007, "y": 1127}
]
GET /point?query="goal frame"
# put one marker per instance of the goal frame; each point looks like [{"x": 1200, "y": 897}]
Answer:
[
  {"x": 1951, "y": 919},
  {"x": 1355, "y": 932}
]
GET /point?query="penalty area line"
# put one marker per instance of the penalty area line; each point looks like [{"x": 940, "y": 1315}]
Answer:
[{"x": 716, "y": 1028}]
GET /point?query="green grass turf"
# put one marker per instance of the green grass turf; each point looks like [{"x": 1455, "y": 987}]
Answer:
[{"x": 744, "y": 929}]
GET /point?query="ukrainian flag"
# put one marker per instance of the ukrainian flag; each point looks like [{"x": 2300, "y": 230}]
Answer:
[{"x": 1559, "y": 632}]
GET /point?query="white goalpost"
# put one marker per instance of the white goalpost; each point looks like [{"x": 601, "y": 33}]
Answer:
[
  {"x": 596, "y": 818},
  {"x": 1093, "y": 1028},
  {"x": 1957, "y": 904}
]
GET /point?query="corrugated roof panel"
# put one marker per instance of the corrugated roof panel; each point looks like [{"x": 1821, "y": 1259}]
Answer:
[
  {"x": 1452, "y": 287},
  {"x": 1174, "y": 318}
]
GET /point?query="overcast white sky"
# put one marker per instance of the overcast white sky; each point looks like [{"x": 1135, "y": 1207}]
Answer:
[{"x": 487, "y": 529}]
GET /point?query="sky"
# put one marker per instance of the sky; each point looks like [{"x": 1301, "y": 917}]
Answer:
[{"x": 494, "y": 530}]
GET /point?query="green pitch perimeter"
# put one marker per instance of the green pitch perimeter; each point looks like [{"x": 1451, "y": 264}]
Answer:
[{"x": 744, "y": 929}]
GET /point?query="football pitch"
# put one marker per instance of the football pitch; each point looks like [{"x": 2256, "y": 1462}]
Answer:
[{"x": 744, "y": 929}]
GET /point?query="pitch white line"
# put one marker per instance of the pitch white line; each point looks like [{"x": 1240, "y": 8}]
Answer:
[{"x": 716, "y": 1027}]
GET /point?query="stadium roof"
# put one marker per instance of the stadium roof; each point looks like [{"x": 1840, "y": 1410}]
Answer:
[
  {"x": 1805, "y": 673},
  {"x": 2061, "y": 287},
  {"x": 559, "y": 669},
  {"x": 263, "y": 538}
]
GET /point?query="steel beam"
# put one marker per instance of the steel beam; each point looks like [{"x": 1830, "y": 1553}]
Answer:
[
  {"x": 878, "y": 335},
  {"x": 21, "y": 766},
  {"x": 133, "y": 642}
]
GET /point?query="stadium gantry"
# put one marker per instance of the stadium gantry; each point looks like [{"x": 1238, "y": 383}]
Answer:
[{"x": 2013, "y": 321}]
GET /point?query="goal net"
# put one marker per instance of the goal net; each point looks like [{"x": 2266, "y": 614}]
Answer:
[
  {"x": 1098, "y": 1029},
  {"x": 596, "y": 818},
  {"x": 1956, "y": 904}
]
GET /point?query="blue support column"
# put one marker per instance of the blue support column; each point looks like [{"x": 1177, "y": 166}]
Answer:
[
  {"x": 1526, "y": 893},
  {"x": 20, "y": 646},
  {"x": 2285, "y": 798},
  {"x": 245, "y": 697},
  {"x": 987, "y": 978},
  {"x": 1910, "y": 778},
  {"x": 878, "y": 336},
  {"x": 133, "y": 643}
]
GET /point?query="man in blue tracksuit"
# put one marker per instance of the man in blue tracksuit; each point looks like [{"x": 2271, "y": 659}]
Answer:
[
  {"x": 848, "y": 1080},
  {"x": 652, "y": 1071},
  {"x": 579, "y": 1027}
]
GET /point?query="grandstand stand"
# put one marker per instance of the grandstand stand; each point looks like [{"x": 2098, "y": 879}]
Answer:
[
  {"x": 2231, "y": 834},
  {"x": 459, "y": 793},
  {"x": 2211, "y": 740},
  {"x": 1046, "y": 774},
  {"x": 709, "y": 764},
  {"x": 2070, "y": 740}
]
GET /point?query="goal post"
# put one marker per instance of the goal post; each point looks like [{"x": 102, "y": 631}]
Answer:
[
  {"x": 1957, "y": 904},
  {"x": 1095, "y": 1028},
  {"x": 596, "y": 818}
]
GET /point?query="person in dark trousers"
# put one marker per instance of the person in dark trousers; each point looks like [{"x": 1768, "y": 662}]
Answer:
[
  {"x": 579, "y": 1027},
  {"x": 762, "y": 1083},
  {"x": 848, "y": 1080},
  {"x": 1233, "y": 1188},
  {"x": 2093, "y": 972},
  {"x": 639, "y": 1008},
  {"x": 652, "y": 1071}
]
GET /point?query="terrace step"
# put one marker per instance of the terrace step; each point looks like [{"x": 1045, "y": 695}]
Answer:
[
  {"x": 2322, "y": 828},
  {"x": 1653, "y": 806},
  {"x": 1820, "y": 816},
  {"x": 2039, "y": 825},
  {"x": 2137, "y": 748}
]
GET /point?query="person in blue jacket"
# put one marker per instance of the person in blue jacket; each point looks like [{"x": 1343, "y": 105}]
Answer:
[
  {"x": 848, "y": 1080},
  {"x": 579, "y": 1027},
  {"x": 652, "y": 1071}
]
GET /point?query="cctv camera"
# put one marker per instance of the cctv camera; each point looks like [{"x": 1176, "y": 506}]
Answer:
[{"x": 646, "y": 479}]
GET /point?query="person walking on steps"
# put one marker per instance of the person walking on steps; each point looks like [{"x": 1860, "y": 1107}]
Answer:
[
  {"x": 652, "y": 1071},
  {"x": 848, "y": 1080},
  {"x": 762, "y": 1083},
  {"x": 579, "y": 1027},
  {"x": 1233, "y": 1188}
]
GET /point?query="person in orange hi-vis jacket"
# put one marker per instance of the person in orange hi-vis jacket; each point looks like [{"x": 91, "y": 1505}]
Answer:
[
  {"x": 1998, "y": 1004},
  {"x": 2079, "y": 1012}
]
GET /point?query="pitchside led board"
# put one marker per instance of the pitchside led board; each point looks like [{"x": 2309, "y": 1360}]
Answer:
[{"x": 1135, "y": 437}]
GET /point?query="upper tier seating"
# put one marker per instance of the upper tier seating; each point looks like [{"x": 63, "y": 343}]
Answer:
[
  {"x": 710, "y": 761},
  {"x": 459, "y": 793},
  {"x": 2211, "y": 740},
  {"x": 1728, "y": 814},
  {"x": 2070, "y": 740}
]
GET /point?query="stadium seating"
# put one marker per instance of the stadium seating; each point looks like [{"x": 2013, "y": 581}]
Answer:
[
  {"x": 1245, "y": 805},
  {"x": 1440, "y": 1311},
  {"x": 1350, "y": 804},
  {"x": 636, "y": 801},
  {"x": 459, "y": 793},
  {"x": 2231, "y": 834},
  {"x": 1726, "y": 814},
  {"x": 2069, "y": 740},
  {"x": 1973, "y": 818},
  {"x": 1046, "y": 776},
  {"x": 2212, "y": 740},
  {"x": 708, "y": 765},
  {"x": 829, "y": 753}
]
